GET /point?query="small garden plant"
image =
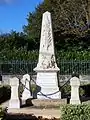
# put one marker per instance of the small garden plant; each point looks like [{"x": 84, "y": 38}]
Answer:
[{"x": 75, "y": 112}]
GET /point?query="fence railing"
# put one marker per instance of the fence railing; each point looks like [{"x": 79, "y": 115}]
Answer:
[
  {"x": 80, "y": 67},
  {"x": 66, "y": 67},
  {"x": 17, "y": 67}
]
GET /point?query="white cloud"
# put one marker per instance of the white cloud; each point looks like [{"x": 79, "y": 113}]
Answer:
[{"x": 2, "y": 2}]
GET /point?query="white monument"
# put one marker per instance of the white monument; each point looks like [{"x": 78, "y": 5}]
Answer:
[
  {"x": 47, "y": 68},
  {"x": 26, "y": 93},
  {"x": 14, "y": 101},
  {"x": 75, "y": 83}
]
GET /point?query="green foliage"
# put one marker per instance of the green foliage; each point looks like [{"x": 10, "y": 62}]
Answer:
[
  {"x": 67, "y": 67},
  {"x": 33, "y": 87},
  {"x": 82, "y": 91},
  {"x": 86, "y": 89},
  {"x": 73, "y": 55},
  {"x": 76, "y": 112},
  {"x": 16, "y": 46},
  {"x": 13, "y": 46},
  {"x": 2, "y": 111},
  {"x": 71, "y": 35},
  {"x": 23, "y": 54},
  {"x": 69, "y": 24},
  {"x": 34, "y": 90},
  {"x": 5, "y": 93},
  {"x": 66, "y": 90},
  {"x": 12, "y": 40},
  {"x": 18, "y": 54}
]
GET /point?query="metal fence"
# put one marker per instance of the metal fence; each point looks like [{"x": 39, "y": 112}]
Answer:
[
  {"x": 79, "y": 67},
  {"x": 66, "y": 67},
  {"x": 17, "y": 67}
]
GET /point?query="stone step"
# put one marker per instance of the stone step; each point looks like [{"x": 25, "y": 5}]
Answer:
[{"x": 48, "y": 103}]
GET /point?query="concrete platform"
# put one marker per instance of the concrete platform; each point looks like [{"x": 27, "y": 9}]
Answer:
[{"x": 48, "y": 103}]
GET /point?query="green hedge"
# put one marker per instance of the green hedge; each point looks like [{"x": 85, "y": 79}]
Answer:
[
  {"x": 18, "y": 54},
  {"x": 75, "y": 112},
  {"x": 23, "y": 54},
  {"x": 5, "y": 93},
  {"x": 73, "y": 55},
  {"x": 66, "y": 90}
]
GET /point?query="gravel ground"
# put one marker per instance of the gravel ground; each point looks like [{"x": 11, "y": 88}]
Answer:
[{"x": 45, "y": 113}]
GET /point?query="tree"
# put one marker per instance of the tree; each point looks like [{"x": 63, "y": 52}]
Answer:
[
  {"x": 88, "y": 12},
  {"x": 70, "y": 18},
  {"x": 12, "y": 40}
]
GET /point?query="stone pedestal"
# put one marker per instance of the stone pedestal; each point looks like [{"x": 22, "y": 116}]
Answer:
[
  {"x": 47, "y": 68},
  {"x": 49, "y": 85},
  {"x": 14, "y": 101},
  {"x": 26, "y": 93},
  {"x": 75, "y": 83}
]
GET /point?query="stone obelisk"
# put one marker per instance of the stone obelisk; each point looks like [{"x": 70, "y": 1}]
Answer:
[{"x": 47, "y": 68}]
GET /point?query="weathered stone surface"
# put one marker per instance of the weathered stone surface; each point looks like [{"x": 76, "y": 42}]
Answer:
[
  {"x": 46, "y": 52},
  {"x": 47, "y": 68},
  {"x": 75, "y": 83},
  {"x": 49, "y": 86},
  {"x": 49, "y": 103},
  {"x": 14, "y": 101},
  {"x": 26, "y": 93}
]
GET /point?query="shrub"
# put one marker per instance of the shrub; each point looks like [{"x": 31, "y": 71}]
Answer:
[
  {"x": 34, "y": 90},
  {"x": 5, "y": 93},
  {"x": 2, "y": 113},
  {"x": 18, "y": 54},
  {"x": 75, "y": 112},
  {"x": 73, "y": 55},
  {"x": 66, "y": 90},
  {"x": 23, "y": 54},
  {"x": 86, "y": 89}
]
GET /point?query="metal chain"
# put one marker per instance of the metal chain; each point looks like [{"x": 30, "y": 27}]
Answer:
[{"x": 46, "y": 95}]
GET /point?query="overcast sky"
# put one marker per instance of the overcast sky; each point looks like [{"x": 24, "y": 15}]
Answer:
[{"x": 13, "y": 13}]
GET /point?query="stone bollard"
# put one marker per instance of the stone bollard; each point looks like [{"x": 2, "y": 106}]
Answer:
[
  {"x": 75, "y": 83},
  {"x": 26, "y": 93},
  {"x": 14, "y": 101}
]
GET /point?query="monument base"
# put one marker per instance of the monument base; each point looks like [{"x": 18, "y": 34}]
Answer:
[
  {"x": 41, "y": 95},
  {"x": 47, "y": 81},
  {"x": 75, "y": 102},
  {"x": 48, "y": 103}
]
